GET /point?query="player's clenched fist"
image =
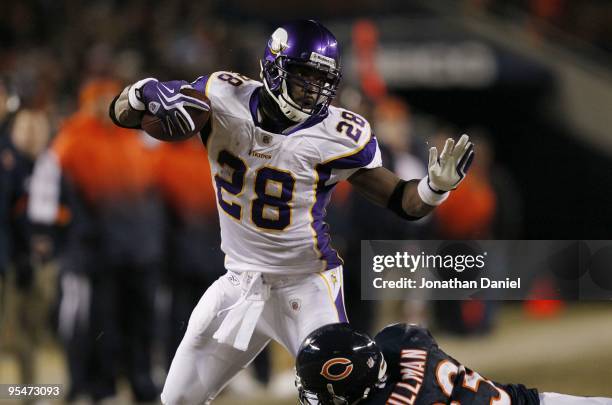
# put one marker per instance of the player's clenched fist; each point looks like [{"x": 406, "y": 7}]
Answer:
[{"x": 168, "y": 101}]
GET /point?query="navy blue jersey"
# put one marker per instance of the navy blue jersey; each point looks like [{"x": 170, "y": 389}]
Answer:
[{"x": 420, "y": 373}]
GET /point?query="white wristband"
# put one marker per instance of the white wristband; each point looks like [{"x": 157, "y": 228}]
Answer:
[
  {"x": 427, "y": 194},
  {"x": 133, "y": 99}
]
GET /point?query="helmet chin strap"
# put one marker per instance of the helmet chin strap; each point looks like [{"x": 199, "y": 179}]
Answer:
[
  {"x": 269, "y": 114},
  {"x": 285, "y": 107},
  {"x": 290, "y": 111}
]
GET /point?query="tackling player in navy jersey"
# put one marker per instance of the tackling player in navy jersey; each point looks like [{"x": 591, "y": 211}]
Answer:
[{"x": 403, "y": 365}]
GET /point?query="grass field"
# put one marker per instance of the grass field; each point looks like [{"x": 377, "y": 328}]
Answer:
[{"x": 571, "y": 353}]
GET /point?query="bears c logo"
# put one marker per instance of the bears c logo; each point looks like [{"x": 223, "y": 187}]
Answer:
[{"x": 326, "y": 370}]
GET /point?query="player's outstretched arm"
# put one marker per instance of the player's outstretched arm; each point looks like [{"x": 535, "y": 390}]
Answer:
[
  {"x": 384, "y": 188},
  {"x": 415, "y": 199},
  {"x": 166, "y": 100}
]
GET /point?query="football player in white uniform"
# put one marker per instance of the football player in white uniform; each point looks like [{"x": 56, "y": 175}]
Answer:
[{"x": 276, "y": 151}]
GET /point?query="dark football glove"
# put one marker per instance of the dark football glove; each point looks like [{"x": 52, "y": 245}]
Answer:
[{"x": 166, "y": 101}]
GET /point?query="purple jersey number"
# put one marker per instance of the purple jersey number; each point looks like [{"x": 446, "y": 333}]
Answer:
[
  {"x": 234, "y": 186},
  {"x": 347, "y": 128},
  {"x": 271, "y": 208},
  {"x": 274, "y": 189}
]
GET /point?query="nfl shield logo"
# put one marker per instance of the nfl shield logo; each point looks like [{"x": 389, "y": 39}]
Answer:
[{"x": 266, "y": 139}]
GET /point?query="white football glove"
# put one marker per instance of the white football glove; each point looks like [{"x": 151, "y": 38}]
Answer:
[
  {"x": 449, "y": 170},
  {"x": 445, "y": 173}
]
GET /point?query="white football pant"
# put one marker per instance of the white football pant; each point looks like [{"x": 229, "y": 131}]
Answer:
[{"x": 295, "y": 306}]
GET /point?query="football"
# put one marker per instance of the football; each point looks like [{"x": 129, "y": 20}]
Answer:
[{"x": 153, "y": 126}]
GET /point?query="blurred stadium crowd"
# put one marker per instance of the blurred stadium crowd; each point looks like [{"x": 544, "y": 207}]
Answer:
[
  {"x": 109, "y": 238},
  {"x": 587, "y": 21}
]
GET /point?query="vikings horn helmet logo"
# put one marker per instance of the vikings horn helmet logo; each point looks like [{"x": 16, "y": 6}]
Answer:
[{"x": 278, "y": 41}]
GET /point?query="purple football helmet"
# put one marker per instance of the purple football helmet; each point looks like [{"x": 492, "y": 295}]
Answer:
[{"x": 301, "y": 69}]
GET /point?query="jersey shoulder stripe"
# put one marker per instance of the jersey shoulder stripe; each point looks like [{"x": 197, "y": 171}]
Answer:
[
  {"x": 350, "y": 144},
  {"x": 229, "y": 92},
  {"x": 355, "y": 159}
]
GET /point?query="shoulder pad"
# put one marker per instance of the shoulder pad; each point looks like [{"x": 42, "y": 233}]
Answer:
[
  {"x": 350, "y": 142},
  {"x": 221, "y": 82},
  {"x": 229, "y": 92}
]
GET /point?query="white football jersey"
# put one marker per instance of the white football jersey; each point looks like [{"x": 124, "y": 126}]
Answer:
[{"x": 272, "y": 189}]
